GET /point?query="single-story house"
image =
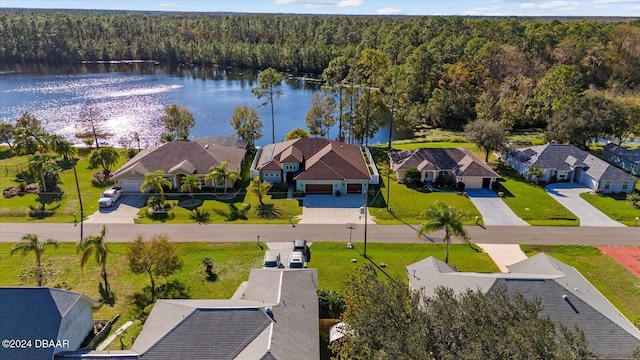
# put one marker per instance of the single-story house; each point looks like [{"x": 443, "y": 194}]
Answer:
[
  {"x": 626, "y": 159},
  {"x": 564, "y": 162},
  {"x": 276, "y": 319},
  {"x": 316, "y": 166},
  {"x": 565, "y": 295},
  {"x": 47, "y": 321},
  {"x": 180, "y": 158},
  {"x": 461, "y": 164}
]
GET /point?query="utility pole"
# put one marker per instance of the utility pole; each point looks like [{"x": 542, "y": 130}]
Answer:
[
  {"x": 79, "y": 200},
  {"x": 366, "y": 212}
]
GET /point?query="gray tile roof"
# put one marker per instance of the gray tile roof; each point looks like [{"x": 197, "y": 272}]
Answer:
[
  {"x": 460, "y": 161},
  {"x": 243, "y": 329},
  {"x": 563, "y": 156},
  {"x": 223, "y": 140},
  {"x": 34, "y": 313},
  {"x": 609, "y": 333}
]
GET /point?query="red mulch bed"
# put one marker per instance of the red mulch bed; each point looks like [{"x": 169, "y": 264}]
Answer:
[{"x": 627, "y": 256}]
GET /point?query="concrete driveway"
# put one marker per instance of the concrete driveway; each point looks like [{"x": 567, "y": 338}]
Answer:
[
  {"x": 494, "y": 211},
  {"x": 568, "y": 194},
  {"x": 329, "y": 209},
  {"x": 123, "y": 212}
]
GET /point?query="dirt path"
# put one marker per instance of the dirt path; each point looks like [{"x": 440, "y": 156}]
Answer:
[{"x": 627, "y": 256}]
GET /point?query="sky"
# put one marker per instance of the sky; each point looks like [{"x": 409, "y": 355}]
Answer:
[{"x": 626, "y": 8}]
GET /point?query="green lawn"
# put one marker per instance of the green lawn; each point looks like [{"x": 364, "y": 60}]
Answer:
[
  {"x": 616, "y": 283},
  {"x": 408, "y": 203},
  {"x": 530, "y": 202},
  {"x": 180, "y": 215},
  {"x": 333, "y": 260},
  {"x": 614, "y": 206},
  {"x": 232, "y": 263},
  {"x": 17, "y": 209}
]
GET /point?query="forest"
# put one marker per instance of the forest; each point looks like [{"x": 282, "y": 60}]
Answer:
[{"x": 577, "y": 79}]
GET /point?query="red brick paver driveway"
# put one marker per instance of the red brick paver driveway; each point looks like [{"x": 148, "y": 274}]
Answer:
[{"x": 628, "y": 256}]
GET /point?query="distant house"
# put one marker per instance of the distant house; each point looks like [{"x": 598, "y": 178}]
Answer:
[
  {"x": 461, "y": 164},
  {"x": 37, "y": 314},
  {"x": 565, "y": 295},
  {"x": 180, "y": 158},
  {"x": 563, "y": 162},
  {"x": 316, "y": 166},
  {"x": 623, "y": 158},
  {"x": 276, "y": 319}
]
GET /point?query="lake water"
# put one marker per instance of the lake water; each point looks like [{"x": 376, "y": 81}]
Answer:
[{"x": 132, "y": 97}]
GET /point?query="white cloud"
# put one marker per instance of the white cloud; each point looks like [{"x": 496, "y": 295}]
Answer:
[
  {"x": 350, "y": 3},
  {"x": 389, "y": 11},
  {"x": 306, "y": 2},
  {"x": 169, "y": 5},
  {"x": 616, "y": 1},
  {"x": 634, "y": 8},
  {"x": 485, "y": 11},
  {"x": 552, "y": 6}
]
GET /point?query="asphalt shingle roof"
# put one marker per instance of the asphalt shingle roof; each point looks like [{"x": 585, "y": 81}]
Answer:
[
  {"x": 609, "y": 333},
  {"x": 631, "y": 155},
  {"x": 190, "y": 156},
  {"x": 563, "y": 156},
  {"x": 33, "y": 313},
  {"x": 276, "y": 319},
  {"x": 460, "y": 161}
]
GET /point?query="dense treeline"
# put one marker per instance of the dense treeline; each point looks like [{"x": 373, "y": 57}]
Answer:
[{"x": 435, "y": 71}]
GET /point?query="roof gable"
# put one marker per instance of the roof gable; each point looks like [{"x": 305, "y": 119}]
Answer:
[
  {"x": 186, "y": 156},
  {"x": 460, "y": 161}
]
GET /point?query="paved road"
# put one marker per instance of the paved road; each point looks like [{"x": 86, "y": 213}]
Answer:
[
  {"x": 630, "y": 236},
  {"x": 493, "y": 210},
  {"x": 568, "y": 195}
]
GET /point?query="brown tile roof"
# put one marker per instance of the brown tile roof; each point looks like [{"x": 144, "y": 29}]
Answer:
[
  {"x": 323, "y": 159},
  {"x": 191, "y": 157}
]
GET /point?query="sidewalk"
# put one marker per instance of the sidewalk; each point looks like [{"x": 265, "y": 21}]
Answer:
[{"x": 504, "y": 254}]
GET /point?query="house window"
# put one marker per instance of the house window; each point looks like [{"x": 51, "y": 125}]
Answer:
[
  {"x": 625, "y": 185},
  {"x": 607, "y": 185}
]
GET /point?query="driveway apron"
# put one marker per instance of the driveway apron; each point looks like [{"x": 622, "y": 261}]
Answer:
[
  {"x": 124, "y": 211},
  {"x": 504, "y": 254},
  {"x": 328, "y": 209},
  {"x": 568, "y": 195},
  {"x": 493, "y": 210}
]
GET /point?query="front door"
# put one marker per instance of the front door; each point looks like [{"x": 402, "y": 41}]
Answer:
[{"x": 486, "y": 183}]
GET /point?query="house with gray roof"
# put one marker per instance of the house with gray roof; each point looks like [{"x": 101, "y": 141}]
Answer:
[
  {"x": 316, "y": 166},
  {"x": 61, "y": 318},
  {"x": 564, "y": 162},
  {"x": 276, "y": 319},
  {"x": 181, "y": 158},
  {"x": 461, "y": 164},
  {"x": 565, "y": 295},
  {"x": 623, "y": 158}
]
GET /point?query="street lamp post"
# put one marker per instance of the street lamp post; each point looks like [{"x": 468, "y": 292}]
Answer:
[{"x": 351, "y": 227}]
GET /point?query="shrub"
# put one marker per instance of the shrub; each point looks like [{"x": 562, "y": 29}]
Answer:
[
  {"x": 331, "y": 304},
  {"x": 633, "y": 198},
  {"x": 267, "y": 211},
  {"x": 412, "y": 175}
]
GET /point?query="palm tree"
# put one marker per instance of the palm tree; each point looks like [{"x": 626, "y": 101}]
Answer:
[
  {"x": 42, "y": 166},
  {"x": 448, "y": 218},
  {"x": 190, "y": 183},
  {"x": 222, "y": 172},
  {"x": 30, "y": 242},
  {"x": 536, "y": 173},
  {"x": 105, "y": 157},
  {"x": 95, "y": 244},
  {"x": 62, "y": 147},
  {"x": 157, "y": 181},
  {"x": 259, "y": 188}
]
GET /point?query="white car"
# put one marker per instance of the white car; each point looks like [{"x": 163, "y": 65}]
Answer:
[
  {"x": 109, "y": 197},
  {"x": 296, "y": 260}
]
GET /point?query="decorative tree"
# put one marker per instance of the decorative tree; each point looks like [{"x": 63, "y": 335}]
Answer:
[
  {"x": 246, "y": 123},
  {"x": 177, "y": 122},
  {"x": 104, "y": 157},
  {"x": 222, "y": 172},
  {"x": 157, "y": 258},
  {"x": 190, "y": 183}
]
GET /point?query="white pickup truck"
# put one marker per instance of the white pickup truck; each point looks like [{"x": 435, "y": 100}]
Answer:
[{"x": 109, "y": 197}]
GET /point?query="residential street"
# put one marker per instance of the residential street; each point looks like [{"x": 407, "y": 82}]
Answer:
[{"x": 629, "y": 236}]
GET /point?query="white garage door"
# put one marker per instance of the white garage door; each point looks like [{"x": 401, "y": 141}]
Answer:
[
  {"x": 472, "y": 183},
  {"x": 131, "y": 185}
]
